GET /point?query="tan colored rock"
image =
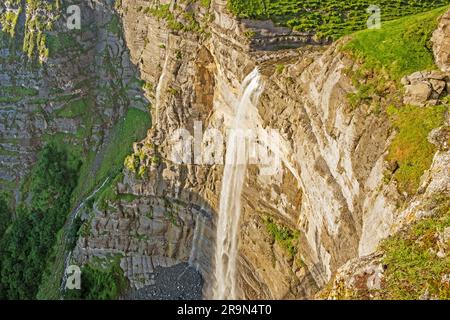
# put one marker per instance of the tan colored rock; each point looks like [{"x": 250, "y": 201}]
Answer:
[
  {"x": 417, "y": 94},
  {"x": 438, "y": 85},
  {"x": 440, "y": 137},
  {"x": 441, "y": 43}
]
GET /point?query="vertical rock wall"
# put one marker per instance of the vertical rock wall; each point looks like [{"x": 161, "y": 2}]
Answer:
[{"x": 330, "y": 188}]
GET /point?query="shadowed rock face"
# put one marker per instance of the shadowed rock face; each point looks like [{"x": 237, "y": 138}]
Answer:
[
  {"x": 82, "y": 67},
  {"x": 330, "y": 187},
  {"x": 441, "y": 43}
]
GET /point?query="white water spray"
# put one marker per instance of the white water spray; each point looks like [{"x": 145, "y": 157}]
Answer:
[{"x": 232, "y": 184}]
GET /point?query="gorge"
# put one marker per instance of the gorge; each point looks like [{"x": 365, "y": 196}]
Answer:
[
  {"x": 347, "y": 185},
  {"x": 231, "y": 191}
]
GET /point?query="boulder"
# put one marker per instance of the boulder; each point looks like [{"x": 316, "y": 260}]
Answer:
[{"x": 418, "y": 93}]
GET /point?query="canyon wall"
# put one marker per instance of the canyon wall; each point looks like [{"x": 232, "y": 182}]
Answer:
[
  {"x": 329, "y": 190},
  {"x": 330, "y": 187},
  {"x": 71, "y": 87}
]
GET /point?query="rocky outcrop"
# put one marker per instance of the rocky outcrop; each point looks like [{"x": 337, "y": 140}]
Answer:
[
  {"x": 426, "y": 88},
  {"x": 364, "y": 278},
  {"x": 441, "y": 43}
]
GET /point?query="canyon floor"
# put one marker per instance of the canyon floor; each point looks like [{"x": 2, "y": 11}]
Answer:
[{"x": 180, "y": 282}]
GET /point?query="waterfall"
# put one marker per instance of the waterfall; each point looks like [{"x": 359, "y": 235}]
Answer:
[{"x": 232, "y": 185}]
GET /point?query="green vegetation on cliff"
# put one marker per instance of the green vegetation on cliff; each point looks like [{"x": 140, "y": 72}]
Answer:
[
  {"x": 285, "y": 237},
  {"x": 8, "y": 21},
  {"x": 414, "y": 265},
  {"x": 327, "y": 18},
  {"x": 133, "y": 127},
  {"x": 25, "y": 247},
  {"x": 100, "y": 280},
  {"x": 5, "y": 213},
  {"x": 410, "y": 149},
  {"x": 39, "y": 17},
  {"x": 96, "y": 168}
]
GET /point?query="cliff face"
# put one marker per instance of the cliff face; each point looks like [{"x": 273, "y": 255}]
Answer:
[
  {"x": 330, "y": 187},
  {"x": 369, "y": 276},
  {"x": 70, "y": 86},
  {"x": 328, "y": 198}
]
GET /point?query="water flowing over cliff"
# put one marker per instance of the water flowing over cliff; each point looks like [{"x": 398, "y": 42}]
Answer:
[
  {"x": 231, "y": 191},
  {"x": 305, "y": 212}
]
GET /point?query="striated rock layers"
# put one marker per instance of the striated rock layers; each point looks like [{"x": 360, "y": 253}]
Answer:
[
  {"x": 74, "y": 92},
  {"x": 329, "y": 188}
]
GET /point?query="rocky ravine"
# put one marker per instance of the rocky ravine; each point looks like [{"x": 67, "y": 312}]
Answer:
[
  {"x": 61, "y": 93},
  {"x": 329, "y": 188}
]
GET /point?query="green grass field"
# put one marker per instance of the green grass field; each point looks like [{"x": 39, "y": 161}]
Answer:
[
  {"x": 400, "y": 48},
  {"x": 327, "y": 18}
]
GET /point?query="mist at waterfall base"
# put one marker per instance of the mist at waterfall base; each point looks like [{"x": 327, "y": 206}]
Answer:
[{"x": 232, "y": 184}]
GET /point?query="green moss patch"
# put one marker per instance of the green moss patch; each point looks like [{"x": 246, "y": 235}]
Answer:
[
  {"x": 284, "y": 236},
  {"x": 410, "y": 149},
  {"x": 413, "y": 267}
]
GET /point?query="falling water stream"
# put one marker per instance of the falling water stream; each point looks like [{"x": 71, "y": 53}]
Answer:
[{"x": 232, "y": 185}]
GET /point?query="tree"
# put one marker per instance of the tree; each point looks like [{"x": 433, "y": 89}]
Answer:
[{"x": 25, "y": 247}]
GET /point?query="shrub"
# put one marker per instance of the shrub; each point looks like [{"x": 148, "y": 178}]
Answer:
[
  {"x": 100, "y": 280},
  {"x": 284, "y": 236}
]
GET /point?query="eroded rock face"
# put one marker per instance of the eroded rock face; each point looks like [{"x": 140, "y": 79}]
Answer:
[
  {"x": 330, "y": 186},
  {"x": 364, "y": 277},
  {"x": 357, "y": 277},
  {"x": 307, "y": 104},
  {"x": 42, "y": 91},
  {"x": 441, "y": 43},
  {"x": 170, "y": 218}
]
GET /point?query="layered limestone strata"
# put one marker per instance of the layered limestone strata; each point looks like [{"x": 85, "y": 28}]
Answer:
[
  {"x": 38, "y": 95},
  {"x": 330, "y": 187},
  {"x": 364, "y": 277}
]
